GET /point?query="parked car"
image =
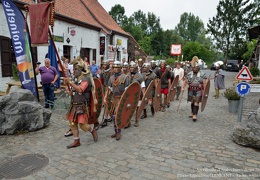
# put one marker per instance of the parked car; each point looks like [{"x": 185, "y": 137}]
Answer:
[{"x": 232, "y": 65}]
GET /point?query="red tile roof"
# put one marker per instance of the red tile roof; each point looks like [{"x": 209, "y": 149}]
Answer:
[
  {"x": 102, "y": 16},
  {"x": 87, "y": 11}
]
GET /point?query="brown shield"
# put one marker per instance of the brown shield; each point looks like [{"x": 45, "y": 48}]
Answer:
[
  {"x": 127, "y": 105},
  {"x": 145, "y": 98},
  {"x": 157, "y": 96},
  {"x": 109, "y": 101},
  {"x": 173, "y": 89},
  {"x": 205, "y": 96},
  {"x": 95, "y": 109}
]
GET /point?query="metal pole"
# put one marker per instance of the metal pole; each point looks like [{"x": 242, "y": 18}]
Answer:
[{"x": 240, "y": 108}]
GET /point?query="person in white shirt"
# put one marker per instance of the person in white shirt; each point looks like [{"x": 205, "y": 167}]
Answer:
[{"x": 178, "y": 71}]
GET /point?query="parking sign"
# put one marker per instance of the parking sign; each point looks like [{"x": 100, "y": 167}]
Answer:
[{"x": 242, "y": 89}]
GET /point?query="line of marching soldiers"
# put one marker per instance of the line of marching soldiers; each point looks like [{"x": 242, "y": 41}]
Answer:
[{"x": 127, "y": 90}]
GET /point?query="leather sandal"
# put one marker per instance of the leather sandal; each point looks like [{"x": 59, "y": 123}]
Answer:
[
  {"x": 118, "y": 136},
  {"x": 109, "y": 120},
  {"x": 76, "y": 143},
  {"x": 94, "y": 134},
  {"x": 68, "y": 133},
  {"x": 104, "y": 124}
]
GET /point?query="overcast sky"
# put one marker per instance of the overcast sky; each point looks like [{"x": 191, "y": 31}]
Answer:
[{"x": 169, "y": 11}]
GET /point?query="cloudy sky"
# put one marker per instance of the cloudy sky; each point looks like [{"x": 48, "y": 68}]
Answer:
[{"x": 169, "y": 11}]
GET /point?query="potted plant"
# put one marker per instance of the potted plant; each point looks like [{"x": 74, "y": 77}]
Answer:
[{"x": 233, "y": 99}]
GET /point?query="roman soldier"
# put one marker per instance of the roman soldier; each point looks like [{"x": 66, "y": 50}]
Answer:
[
  {"x": 116, "y": 86},
  {"x": 149, "y": 76},
  {"x": 140, "y": 65},
  {"x": 196, "y": 80},
  {"x": 154, "y": 67},
  {"x": 80, "y": 92},
  {"x": 125, "y": 68},
  {"x": 135, "y": 76},
  {"x": 165, "y": 76},
  {"x": 106, "y": 73}
]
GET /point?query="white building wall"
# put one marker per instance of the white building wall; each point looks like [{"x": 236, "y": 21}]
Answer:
[{"x": 84, "y": 38}]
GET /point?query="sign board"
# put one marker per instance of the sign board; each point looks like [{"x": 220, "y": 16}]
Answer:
[
  {"x": 176, "y": 49},
  {"x": 72, "y": 32},
  {"x": 242, "y": 89},
  {"x": 254, "y": 87},
  {"x": 244, "y": 75}
]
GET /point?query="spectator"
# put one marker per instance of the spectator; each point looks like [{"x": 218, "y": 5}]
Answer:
[
  {"x": 94, "y": 69},
  {"x": 49, "y": 76}
]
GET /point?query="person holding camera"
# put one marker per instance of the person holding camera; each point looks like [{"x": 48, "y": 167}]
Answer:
[{"x": 49, "y": 76}]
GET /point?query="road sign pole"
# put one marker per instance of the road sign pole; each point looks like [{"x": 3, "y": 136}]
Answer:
[{"x": 240, "y": 108}]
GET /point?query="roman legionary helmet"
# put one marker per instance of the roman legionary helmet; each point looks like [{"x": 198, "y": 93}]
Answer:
[
  {"x": 105, "y": 62},
  {"x": 133, "y": 65},
  {"x": 147, "y": 67},
  {"x": 117, "y": 64},
  {"x": 126, "y": 65}
]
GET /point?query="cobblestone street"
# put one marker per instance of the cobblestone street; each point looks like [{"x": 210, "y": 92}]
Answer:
[{"x": 167, "y": 146}]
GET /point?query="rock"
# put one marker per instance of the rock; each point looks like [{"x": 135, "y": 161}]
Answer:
[
  {"x": 247, "y": 133},
  {"x": 20, "y": 111}
]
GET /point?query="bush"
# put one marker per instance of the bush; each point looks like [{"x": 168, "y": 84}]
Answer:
[
  {"x": 15, "y": 72},
  {"x": 254, "y": 71},
  {"x": 231, "y": 94}
]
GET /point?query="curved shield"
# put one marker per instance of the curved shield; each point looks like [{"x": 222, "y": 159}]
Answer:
[
  {"x": 109, "y": 101},
  {"x": 95, "y": 109},
  {"x": 173, "y": 89},
  {"x": 145, "y": 98},
  {"x": 205, "y": 95},
  {"x": 127, "y": 105},
  {"x": 157, "y": 96}
]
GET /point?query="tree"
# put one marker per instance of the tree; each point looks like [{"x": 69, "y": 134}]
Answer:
[
  {"x": 191, "y": 49},
  {"x": 190, "y": 28},
  {"x": 228, "y": 28},
  {"x": 140, "y": 20},
  {"x": 153, "y": 24},
  {"x": 117, "y": 12},
  {"x": 128, "y": 25}
]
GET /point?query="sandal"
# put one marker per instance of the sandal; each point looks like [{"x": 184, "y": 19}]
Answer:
[{"x": 68, "y": 133}]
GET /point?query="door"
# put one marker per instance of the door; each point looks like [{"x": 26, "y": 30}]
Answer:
[
  {"x": 84, "y": 52},
  {"x": 7, "y": 56}
]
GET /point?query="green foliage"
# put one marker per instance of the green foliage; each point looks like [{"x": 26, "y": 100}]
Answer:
[
  {"x": 229, "y": 27},
  {"x": 190, "y": 28},
  {"x": 231, "y": 94},
  {"x": 250, "y": 48},
  {"x": 191, "y": 49},
  {"x": 118, "y": 13},
  {"x": 254, "y": 71},
  {"x": 15, "y": 72}
]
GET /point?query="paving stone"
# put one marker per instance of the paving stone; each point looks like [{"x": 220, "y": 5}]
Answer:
[{"x": 160, "y": 148}]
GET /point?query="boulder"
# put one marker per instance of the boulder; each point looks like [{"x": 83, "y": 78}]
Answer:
[
  {"x": 247, "y": 133},
  {"x": 20, "y": 111}
]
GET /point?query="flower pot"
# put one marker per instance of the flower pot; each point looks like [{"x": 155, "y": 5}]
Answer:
[{"x": 233, "y": 106}]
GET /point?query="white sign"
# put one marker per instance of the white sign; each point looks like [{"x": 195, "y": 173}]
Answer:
[
  {"x": 254, "y": 87},
  {"x": 176, "y": 49}
]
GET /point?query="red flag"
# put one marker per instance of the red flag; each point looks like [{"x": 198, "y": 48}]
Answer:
[{"x": 39, "y": 23}]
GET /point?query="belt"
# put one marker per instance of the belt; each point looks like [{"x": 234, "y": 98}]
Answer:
[{"x": 195, "y": 88}]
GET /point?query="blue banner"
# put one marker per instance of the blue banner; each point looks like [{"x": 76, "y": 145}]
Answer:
[
  {"x": 21, "y": 46},
  {"x": 52, "y": 56}
]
